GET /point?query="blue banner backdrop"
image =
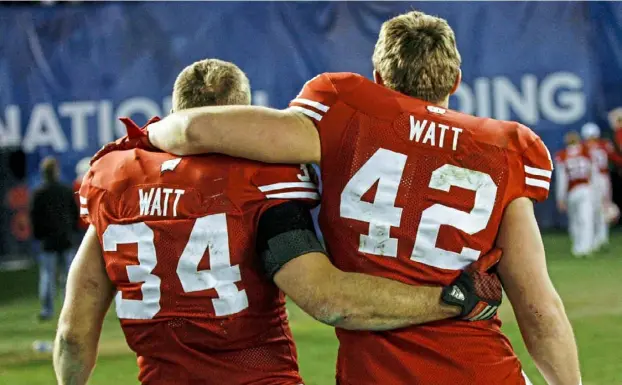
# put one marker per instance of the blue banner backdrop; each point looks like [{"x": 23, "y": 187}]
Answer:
[{"x": 67, "y": 72}]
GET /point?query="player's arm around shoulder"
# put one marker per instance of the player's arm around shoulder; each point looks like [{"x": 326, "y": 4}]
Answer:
[
  {"x": 88, "y": 296},
  {"x": 295, "y": 259},
  {"x": 253, "y": 132}
]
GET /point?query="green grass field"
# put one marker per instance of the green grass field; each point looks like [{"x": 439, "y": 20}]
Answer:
[{"x": 590, "y": 288}]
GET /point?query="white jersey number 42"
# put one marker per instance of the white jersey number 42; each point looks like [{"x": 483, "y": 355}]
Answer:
[{"x": 386, "y": 167}]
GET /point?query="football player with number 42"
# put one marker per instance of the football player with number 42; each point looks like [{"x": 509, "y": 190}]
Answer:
[{"x": 415, "y": 192}]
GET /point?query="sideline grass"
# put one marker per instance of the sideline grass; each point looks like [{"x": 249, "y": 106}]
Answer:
[{"x": 590, "y": 288}]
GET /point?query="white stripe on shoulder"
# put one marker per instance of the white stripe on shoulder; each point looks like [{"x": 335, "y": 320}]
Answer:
[
  {"x": 311, "y": 103},
  {"x": 537, "y": 183},
  {"x": 82, "y": 200},
  {"x": 309, "y": 113},
  {"x": 286, "y": 185},
  {"x": 295, "y": 194},
  {"x": 84, "y": 211},
  {"x": 538, "y": 171}
]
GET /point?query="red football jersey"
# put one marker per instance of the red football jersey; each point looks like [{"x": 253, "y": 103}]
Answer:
[
  {"x": 576, "y": 162},
  {"x": 416, "y": 192},
  {"x": 618, "y": 138},
  {"x": 82, "y": 223},
  {"x": 178, "y": 238},
  {"x": 601, "y": 152}
]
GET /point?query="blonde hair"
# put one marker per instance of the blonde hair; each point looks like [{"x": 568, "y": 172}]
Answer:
[
  {"x": 210, "y": 82},
  {"x": 416, "y": 55}
]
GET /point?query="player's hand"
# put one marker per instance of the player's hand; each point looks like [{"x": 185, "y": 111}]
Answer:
[
  {"x": 561, "y": 206},
  {"x": 137, "y": 137},
  {"x": 477, "y": 291}
]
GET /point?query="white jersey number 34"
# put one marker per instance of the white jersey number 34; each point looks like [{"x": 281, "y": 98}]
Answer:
[
  {"x": 209, "y": 233},
  {"x": 386, "y": 167}
]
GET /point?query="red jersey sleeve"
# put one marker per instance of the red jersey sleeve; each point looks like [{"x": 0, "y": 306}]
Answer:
[
  {"x": 324, "y": 100},
  {"x": 559, "y": 157},
  {"x": 618, "y": 138},
  {"x": 537, "y": 167},
  {"x": 83, "y": 197},
  {"x": 316, "y": 98},
  {"x": 278, "y": 184},
  {"x": 611, "y": 152},
  {"x": 90, "y": 199},
  {"x": 82, "y": 223}
]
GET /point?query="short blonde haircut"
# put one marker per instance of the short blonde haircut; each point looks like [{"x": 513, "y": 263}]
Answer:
[
  {"x": 416, "y": 55},
  {"x": 211, "y": 82}
]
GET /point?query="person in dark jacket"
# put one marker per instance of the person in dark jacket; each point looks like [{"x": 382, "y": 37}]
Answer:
[{"x": 54, "y": 217}]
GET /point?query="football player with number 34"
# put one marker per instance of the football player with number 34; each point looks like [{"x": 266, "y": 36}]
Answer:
[
  {"x": 193, "y": 248},
  {"x": 415, "y": 192}
]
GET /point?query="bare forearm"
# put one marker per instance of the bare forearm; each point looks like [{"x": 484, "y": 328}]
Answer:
[
  {"x": 73, "y": 361},
  {"x": 362, "y": 302},
  {"x": 550, "y": 341},
  {"x": 374, "y": 303},
  {"x": 171, "y": 135},
  {"x": 232, "y": 130},
  {"x": 252, "y": 132},
  {"x": 199, "y": 131}
]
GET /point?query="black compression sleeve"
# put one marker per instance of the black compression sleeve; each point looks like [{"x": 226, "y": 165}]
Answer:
[{"x": 285, "y": 232}]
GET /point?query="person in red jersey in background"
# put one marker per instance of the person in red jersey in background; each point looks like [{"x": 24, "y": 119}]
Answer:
[
  {"x": 574, "y": 171},
  {"x": 615, "y": 120},
  {"x": 191, "y": 246},
  {"x": 601, "y": 152},
  {"x": 415, "y": 192}
]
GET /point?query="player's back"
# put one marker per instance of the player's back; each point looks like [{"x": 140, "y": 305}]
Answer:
[
  {"x": 416, "y": 192},
  {"x": 178, "y": 236}
]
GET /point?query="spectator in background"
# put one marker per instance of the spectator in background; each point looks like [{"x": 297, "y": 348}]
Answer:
[
  {"x": 574, "y": 171},
  {"x": 54, "y": 217}
]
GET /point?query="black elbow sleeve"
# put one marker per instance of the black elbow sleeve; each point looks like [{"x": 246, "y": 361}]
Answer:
[{"x": 285, "y": 232}]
